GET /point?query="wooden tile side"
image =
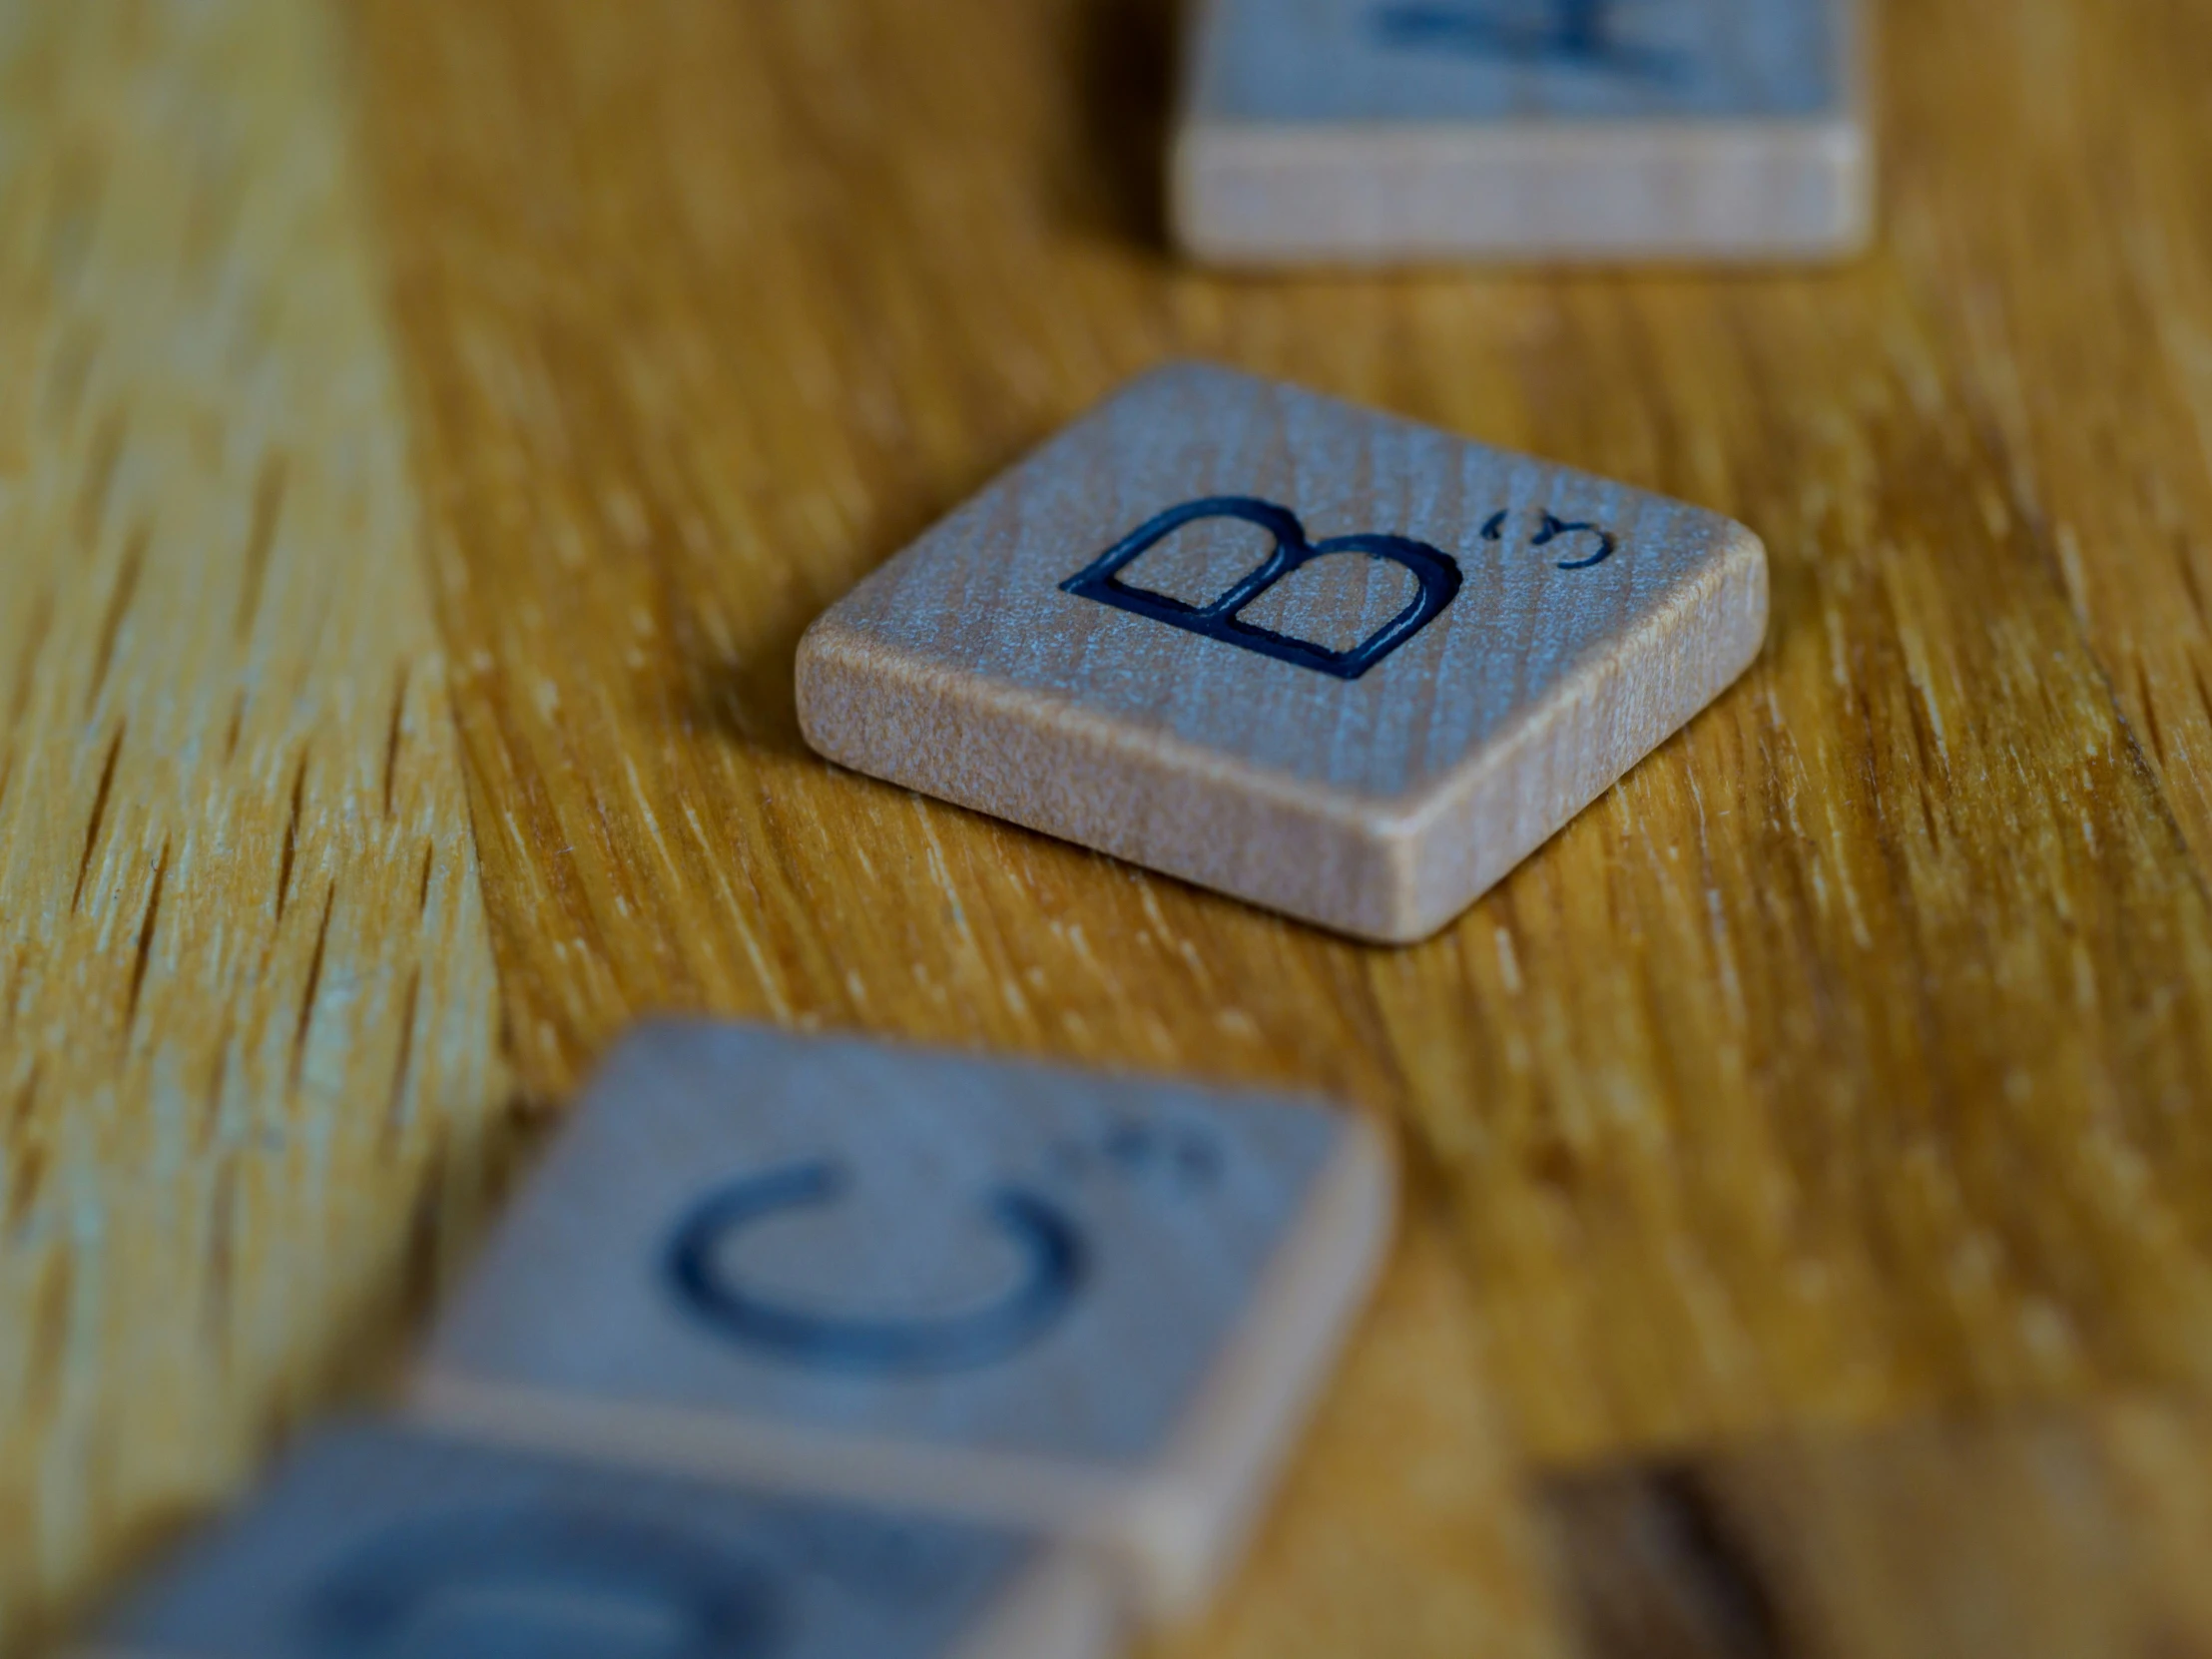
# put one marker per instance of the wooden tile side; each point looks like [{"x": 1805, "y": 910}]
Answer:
[
  {"x": 1222, "y": 1466},
  {"x": 1389, "y": 871},
  {"x": 1046, "y": 763},
  {"x": 1574, "y": 746},
  {"x": 963, "y": 1482},
  {"x": 1063, "y": 1608}
]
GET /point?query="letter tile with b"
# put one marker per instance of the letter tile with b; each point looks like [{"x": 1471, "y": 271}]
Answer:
[
  {"x": 1320, "y": 659},
  {"x": 1094, "y": 1305},
  {"x": 384, "y": 1544}
]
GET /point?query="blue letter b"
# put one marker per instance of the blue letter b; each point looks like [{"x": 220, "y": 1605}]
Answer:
[{"x": 1435, "y": 572}]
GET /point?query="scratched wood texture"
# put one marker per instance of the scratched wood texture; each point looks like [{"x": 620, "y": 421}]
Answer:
[
  {"x": 1846, "y": 1058},
  {"x": 248, "y": 1014},
  {"x": 1848, "y": 1061}
]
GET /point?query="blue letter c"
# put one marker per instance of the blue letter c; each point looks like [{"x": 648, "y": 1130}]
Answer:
[{"x": 1058, "y": 1265}]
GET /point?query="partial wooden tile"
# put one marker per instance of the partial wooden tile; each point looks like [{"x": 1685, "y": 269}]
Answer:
[
  {"x": 376, "y": 1541},
  {"x": 1376, "y": 130},
  {"x": 1321, "y": 659},
  {"x": 2030, "y": 1536},
  {"x": 1092, "y": 1303}
]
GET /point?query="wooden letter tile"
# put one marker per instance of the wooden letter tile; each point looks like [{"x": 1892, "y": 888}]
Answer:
[
  {"x": 1092, "y": 1304},
  {"x": 1327, "y": 661},
  {"x": 376, "y": 1543},
  {"x": 1382, "y": 130}
]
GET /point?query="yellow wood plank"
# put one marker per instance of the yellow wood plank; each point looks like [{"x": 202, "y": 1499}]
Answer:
[
  {"x": 1838, "y": 1063},
  {"x": 248, "y": 1018},
  {"x": 1846, "y": 1059},
  {"x": 2062, "y": 243}
]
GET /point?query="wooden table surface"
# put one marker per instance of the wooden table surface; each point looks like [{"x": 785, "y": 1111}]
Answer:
[{"x": 427, "y": 425}]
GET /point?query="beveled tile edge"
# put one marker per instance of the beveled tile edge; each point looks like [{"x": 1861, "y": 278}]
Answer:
[
  {"x": 1604, "y": 722},
  {"x": 1387, "y": 871},
  {"x": 1064, "y": 1607},
  {"x": 1783, "y": 192},
  {"x": 953, "y": 1481},
  {"x": 1230, "y": 1449},
  {"x": 1035, "y": 758}
]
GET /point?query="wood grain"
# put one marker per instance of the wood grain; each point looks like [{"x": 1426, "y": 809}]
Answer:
[
  {"x": 1563, "y": 627},
  {"x": 1840, "y": 1061},
  {"x": 1845, "y": 1060},
  {"x": 248, "y": 1017}
]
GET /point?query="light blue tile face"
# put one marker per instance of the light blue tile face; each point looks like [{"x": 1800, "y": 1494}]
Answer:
[
  {"x": 855, "y": 1237},
  {"x": 381, "y": 1545},
  {"x": 1294, "y": 60},
  {"x": 1554, "y": 567}
]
